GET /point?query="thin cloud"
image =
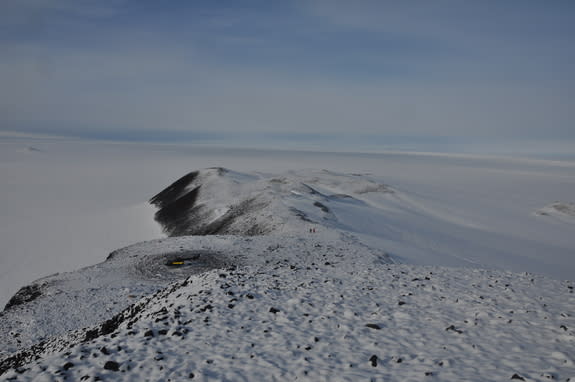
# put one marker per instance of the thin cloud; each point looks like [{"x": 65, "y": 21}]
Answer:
[{"x": 443, "y": 69}]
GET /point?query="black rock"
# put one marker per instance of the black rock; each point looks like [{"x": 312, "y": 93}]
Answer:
[
  {"x": 112, "y": 365},
  {"x": 321, "y": 207},
  {"x": 67, "y": 365},
  {"x": 517, "y": 376},
  {"x": 24, "y": 295},
  {"x": 91, "y": 335},
  {"x": 373, "y": 326},
  {"x": 373, "y": 360},
  {"x": 452, "y": 327},
  {"x": 274, "y": 310}
]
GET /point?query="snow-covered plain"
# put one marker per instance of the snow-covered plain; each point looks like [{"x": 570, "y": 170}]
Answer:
[{"x": 386, "y": 226}]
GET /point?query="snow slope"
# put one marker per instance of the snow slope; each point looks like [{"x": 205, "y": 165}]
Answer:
[
  {"x": 414, "y": 228},
  {"x": 62, "y": 302},
  {"x": 313, "y": 296},
  {"x": 72, "y": 202},
  {"x": 323, "y": 308}
]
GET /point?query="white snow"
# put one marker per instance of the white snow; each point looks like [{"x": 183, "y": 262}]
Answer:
[
  {"x": 59, "y": 205},
  {"x": 324, "y": 308},
  {"x": 422, "y": 267}
]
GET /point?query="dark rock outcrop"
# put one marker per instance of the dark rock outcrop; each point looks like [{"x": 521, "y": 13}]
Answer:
[
  {"x": 24, "y": 295},
  {"x": 182, "y": 209}
]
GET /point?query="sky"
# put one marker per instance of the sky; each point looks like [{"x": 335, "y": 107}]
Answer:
[{"x": 443, "y": 75}]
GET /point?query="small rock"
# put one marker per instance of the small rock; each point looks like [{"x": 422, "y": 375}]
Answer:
[
  {"x": 274, "y": 310},
  {"x": 373, "y": 326},
  {"x": 67, "y": 365},
  {"x": 112, "y": 365},
  {"x": 91, "y": 335},
  {"x": 517, "y": 376},
  {"x": 373, "y": 360},
  {"x": 452, "y": 327}
]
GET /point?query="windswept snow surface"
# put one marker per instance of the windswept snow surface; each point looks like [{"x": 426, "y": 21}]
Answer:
[
  {"x": 413, "y": 228},
  {"x": 71, "y": 203},
  {"x": 322, "y": 307},
  {"x": 62, "y": 302},
  {"x": 346, "y": 278}
]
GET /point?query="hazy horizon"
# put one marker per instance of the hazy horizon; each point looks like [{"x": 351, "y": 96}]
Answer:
[{"x": 444, "y": 76}]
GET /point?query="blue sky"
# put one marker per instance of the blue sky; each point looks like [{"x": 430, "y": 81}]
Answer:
[{"x": 363, "y": 73}]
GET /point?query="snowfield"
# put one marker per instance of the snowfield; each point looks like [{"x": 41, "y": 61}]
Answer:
[{"x": 438, "y": 269}]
